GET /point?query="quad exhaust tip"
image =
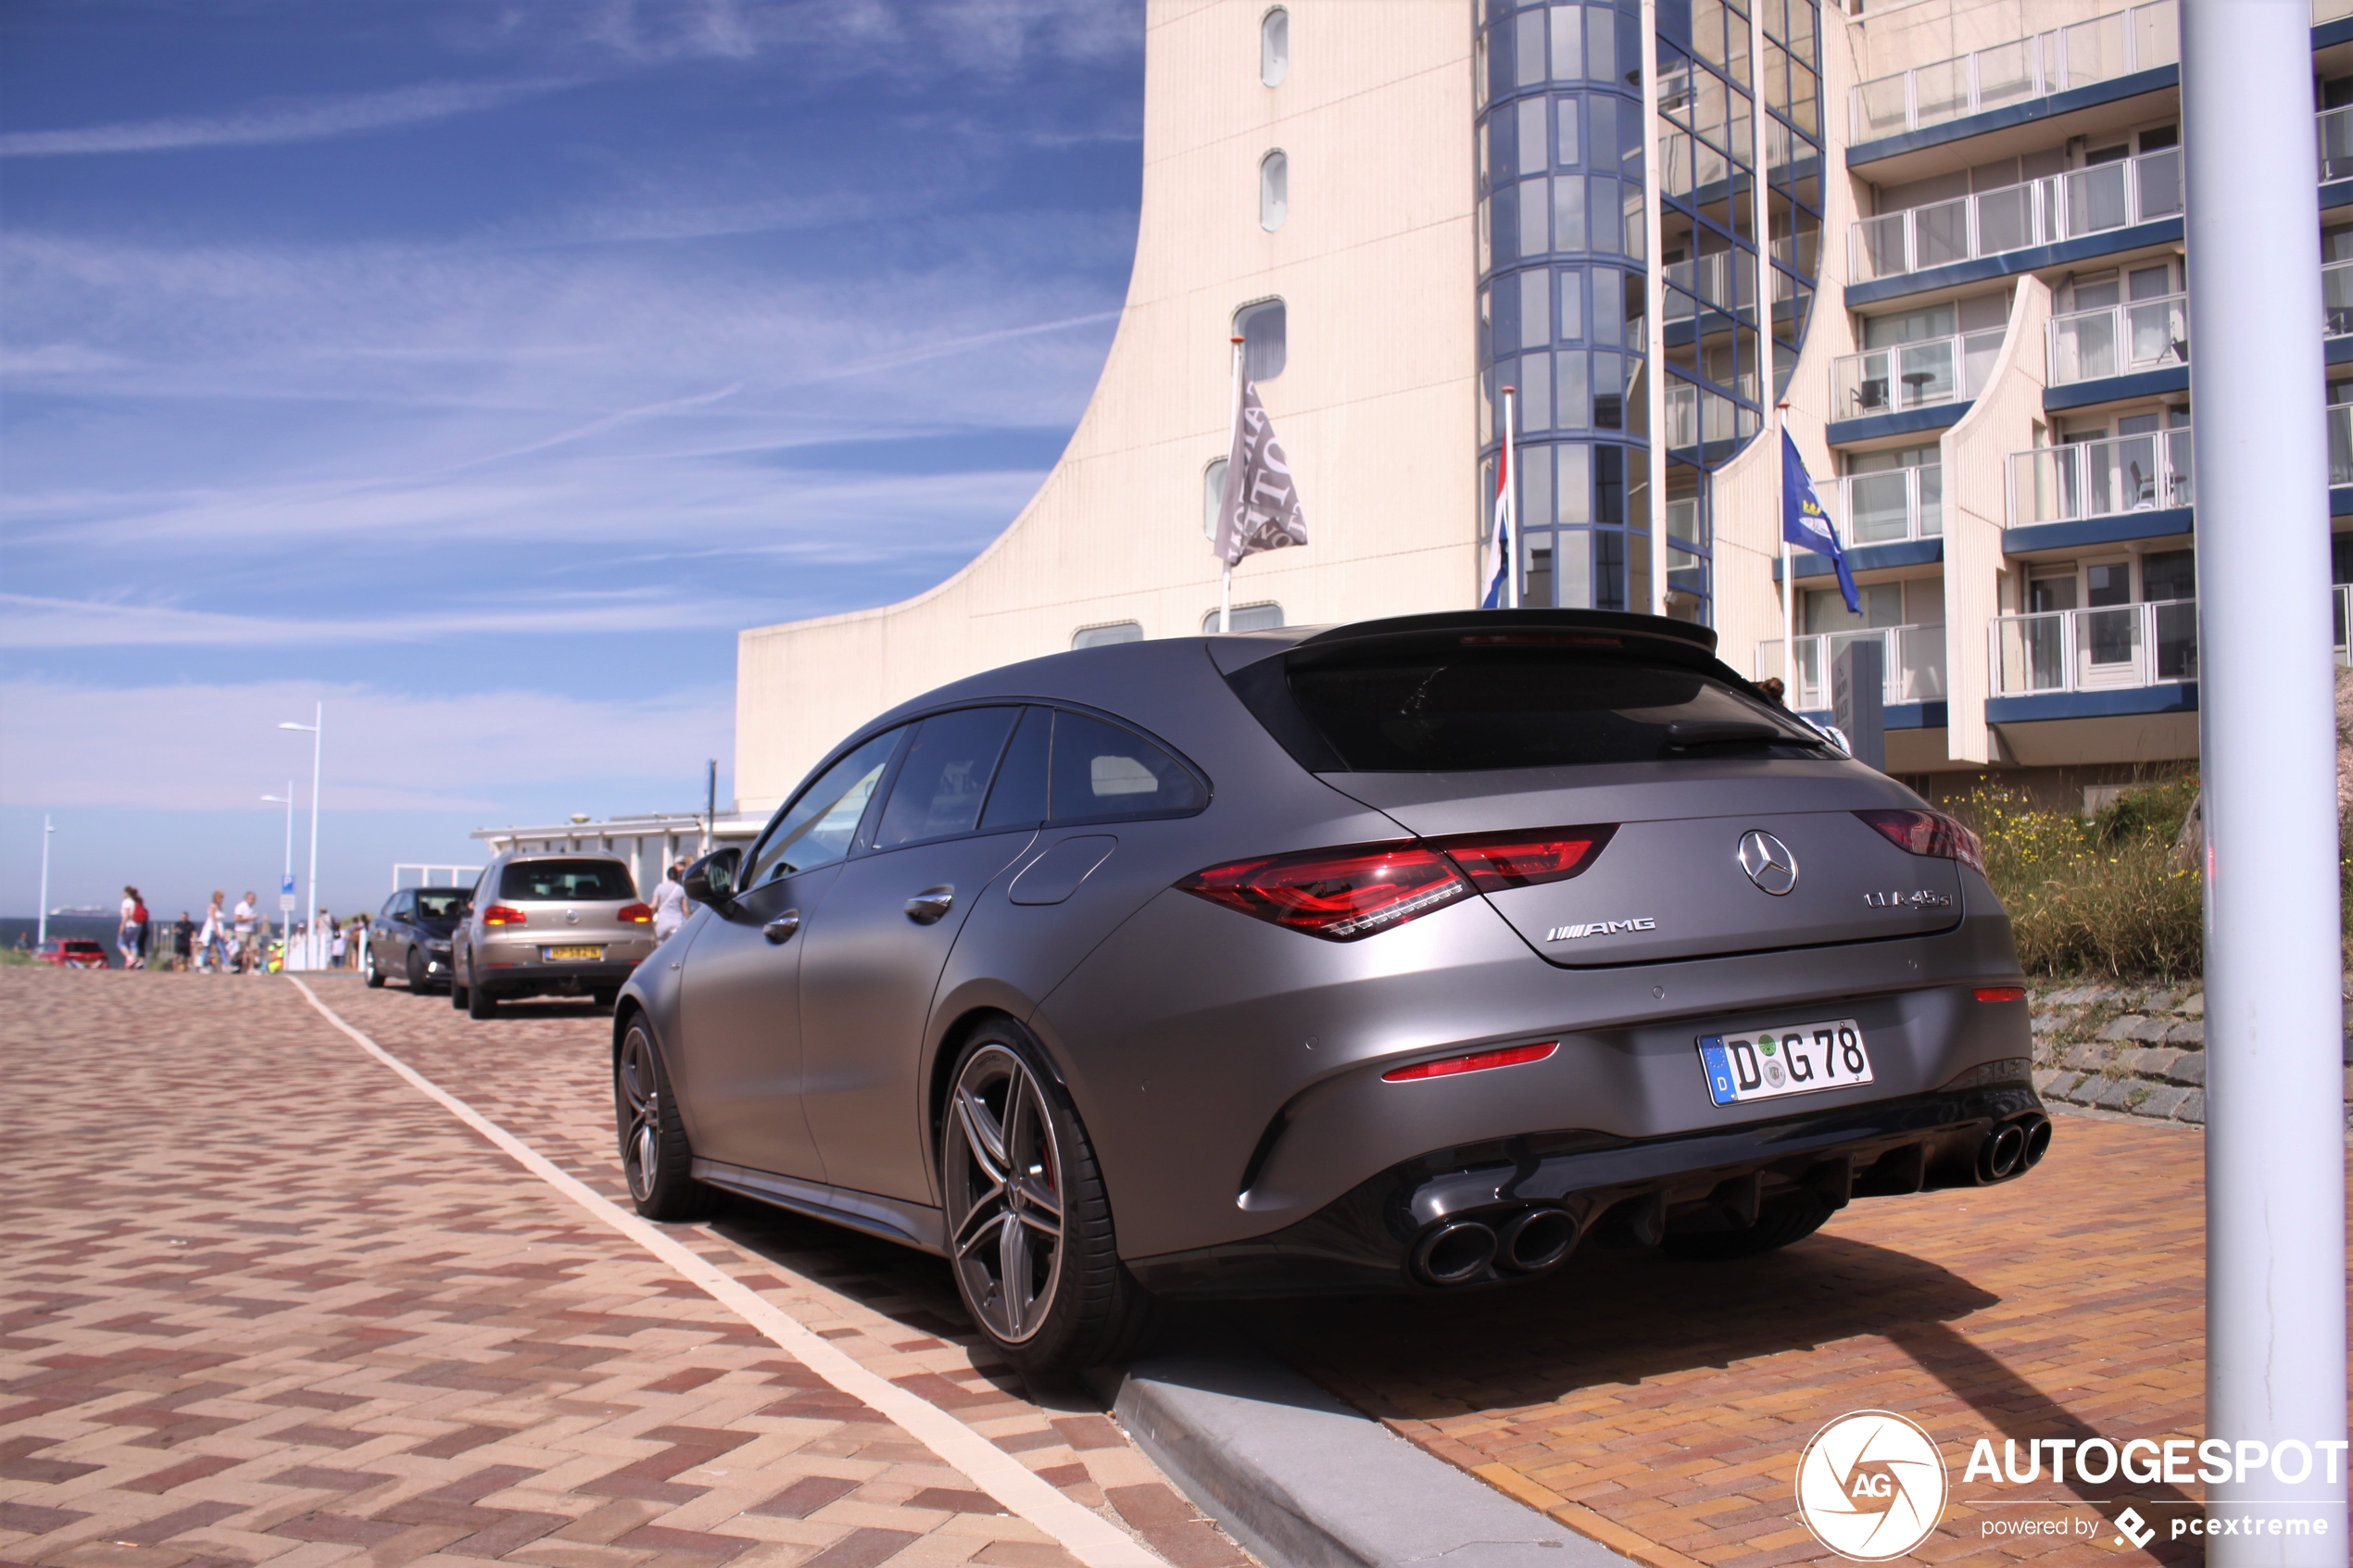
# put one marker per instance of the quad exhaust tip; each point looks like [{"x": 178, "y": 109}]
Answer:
[
  {"x": 2014, "y": 1147},
  {"x": 1459, "y": 1251}
]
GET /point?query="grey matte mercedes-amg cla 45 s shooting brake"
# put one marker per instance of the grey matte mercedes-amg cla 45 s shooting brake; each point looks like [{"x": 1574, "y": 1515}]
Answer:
[{"x": 1406, "y": 955}]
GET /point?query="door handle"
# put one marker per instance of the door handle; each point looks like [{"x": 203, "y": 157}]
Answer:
[
  {"x": 928, "y": 906},
  {"x": 782, "y": 927}
]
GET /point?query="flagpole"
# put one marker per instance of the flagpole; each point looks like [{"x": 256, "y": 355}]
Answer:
[
  {"x": 1511, "y": 510},
  {"x": 1789, "y": 580},
  {"x": 1225, "y": 572}
]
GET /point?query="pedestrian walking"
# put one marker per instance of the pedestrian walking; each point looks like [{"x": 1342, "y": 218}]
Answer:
[
  {"x": 242, "y": 922},
  {"x": 334, "y": 943},
  {"x": 214, "y": 941},
  {"x": 670, "y": 903},
  {"x": 143, "y": 931},
  {"x": 183, "y": 931},
  {"x": 126, "y": 933}
]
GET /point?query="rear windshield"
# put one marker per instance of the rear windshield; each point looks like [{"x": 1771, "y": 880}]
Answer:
[
  {"x": 450, "y": 906},
  {"x": 1440, "y": 709},
  {"x": 570, "y": 882}
]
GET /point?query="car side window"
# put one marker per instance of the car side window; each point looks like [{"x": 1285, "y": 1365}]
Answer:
[
  {"x": 817, "y": 828},
  {"x": 942, "y": 783},
  {"x": 391, "y": 905},
  {"x": 1103, "y": 770},
  {"x": 1018, "y": 797}
]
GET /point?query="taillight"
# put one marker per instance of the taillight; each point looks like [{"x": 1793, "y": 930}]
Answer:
[
  {"x": 1494, "y": 861},
  {"x": 2001, "y": 993},
  {"x": 1477, "y": 1062},
  {"x": 1338, "y": 894},
  {"x": 503, "y": 914},
  {"x": 1928, "y": 832},
  {"x": 636, "y": 914}
]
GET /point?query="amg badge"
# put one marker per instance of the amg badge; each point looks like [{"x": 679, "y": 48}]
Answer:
[
  {"x": 1600, "y": 928},
  {"x": 1897, "y": 899}
]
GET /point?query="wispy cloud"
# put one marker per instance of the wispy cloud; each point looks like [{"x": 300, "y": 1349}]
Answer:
[
  {"x": 304, "y": 120},
  {"x": 29, "y": 622}
]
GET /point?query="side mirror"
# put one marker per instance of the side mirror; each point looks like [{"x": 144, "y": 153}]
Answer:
[{"x": 711, "y": 879}]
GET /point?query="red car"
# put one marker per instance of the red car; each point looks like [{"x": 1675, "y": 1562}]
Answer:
[{"x": 71, "y": 952}]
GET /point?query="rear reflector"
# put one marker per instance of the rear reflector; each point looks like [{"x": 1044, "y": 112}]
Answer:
[
  {"x": 636, "y": 914},
  {"x": 1494, "y": 861},
  {"x": 2001, "y": 993},
  {"x": 1338, "y": 894},
  {"x": 1928, "y": 832},
  {"x": 502, "y": 914},
  {"x": 1478, "y": 1061}
]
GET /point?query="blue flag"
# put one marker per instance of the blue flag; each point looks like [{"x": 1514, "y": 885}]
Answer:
[{"x": 1806, "y": 525}]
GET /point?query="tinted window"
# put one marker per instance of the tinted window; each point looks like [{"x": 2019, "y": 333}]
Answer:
[
  {"x": 1103, "y": 770},
  {"x": 1018, "y": 797},
  {"x": 579, "y": 882},
  {"x": 945, "y": 778},
  {"x": 445, "y": 906},
  {"x": 816, "y": 829},
  {"x": 1466, "y": 709}
]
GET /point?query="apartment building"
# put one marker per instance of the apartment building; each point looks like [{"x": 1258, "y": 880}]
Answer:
[{"x": 1941, "y": 240}]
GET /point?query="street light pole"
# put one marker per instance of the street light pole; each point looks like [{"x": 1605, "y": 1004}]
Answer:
[
  {"x": 40, "y": 920},
  {"x": 310, "y": 889},
  {"x": 286, "y": 909},
  {"x": 2275, "y": 1358}
]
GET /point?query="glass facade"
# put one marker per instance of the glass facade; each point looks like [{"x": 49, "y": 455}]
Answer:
[{"x": 1564, "y": 272}]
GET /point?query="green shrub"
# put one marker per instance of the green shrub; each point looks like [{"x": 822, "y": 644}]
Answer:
[{"x": 2102, "y": 897}]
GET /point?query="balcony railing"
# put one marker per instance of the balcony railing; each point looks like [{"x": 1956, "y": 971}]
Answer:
[
  {"x": 2336, "y": 129},
  {"x": 2337, "y": 299},
  {"x": 1913, "y": 658},
  {"x": 2127, "y": 473},
  {"x": 2057, "y": 206},
  {"x": 1894, "y": 504},
  {"x": 2099, "y": 50},
  {"x": 2342, "y": 595},
  {"x": 2117, "y": 340},
  {"x": 2341, "y": 443},
  {"x": 2102, "y": 649},
  {"x": 1913, "y": 375}
]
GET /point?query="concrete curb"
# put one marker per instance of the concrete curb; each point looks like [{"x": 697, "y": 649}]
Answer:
[{"x": 1304, "y": 1481}]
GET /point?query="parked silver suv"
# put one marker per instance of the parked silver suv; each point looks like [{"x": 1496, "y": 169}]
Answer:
[{"x": 558, "y": 923}]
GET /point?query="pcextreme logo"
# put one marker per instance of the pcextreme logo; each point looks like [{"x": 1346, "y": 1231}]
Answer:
[{"x": 1871, "y": 1485}]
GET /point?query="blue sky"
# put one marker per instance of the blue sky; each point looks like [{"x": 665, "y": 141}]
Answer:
[{"x": 480, "y": 368}]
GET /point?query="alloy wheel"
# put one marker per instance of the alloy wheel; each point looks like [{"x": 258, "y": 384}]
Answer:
[
  {"x": 641, "y": 1099},
  {"x": 1004, "y": 1193}
]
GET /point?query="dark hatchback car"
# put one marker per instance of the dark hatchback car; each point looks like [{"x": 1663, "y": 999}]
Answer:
[
  {"x": 1406, "y": 955},
  {"x": 411, "y": 936}
]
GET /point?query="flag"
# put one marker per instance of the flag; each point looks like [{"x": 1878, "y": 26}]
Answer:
[
  {"x": 1806, "y": 525},
  {"x": 1260, "y": 508},
  {"x": 1498, "y": 574}
]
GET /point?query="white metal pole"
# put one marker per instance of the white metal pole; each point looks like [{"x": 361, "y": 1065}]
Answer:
[
  {"x": 1514, "y": 547},
  {"x": 1653, "y": 315},
  {"x": 312, "y": 958},
  {"x": 1226, "y": 499},
  {"x": 41, "y": 917},
  {"x": 1789, "y": 577},
  {"x": 2275, "y": 1362}
]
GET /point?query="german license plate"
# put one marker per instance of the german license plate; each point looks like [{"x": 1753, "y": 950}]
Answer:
[
  {"x": 1797, "y": 1059},
  {"x": 572, "y": 955}
]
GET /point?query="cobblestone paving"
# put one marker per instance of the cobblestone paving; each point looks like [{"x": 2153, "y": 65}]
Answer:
[{"x": 264, "y": 1302}]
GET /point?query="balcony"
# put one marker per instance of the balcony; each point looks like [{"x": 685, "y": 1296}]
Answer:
[
  {"x": 2096, "y": 479},
  {"x": 2119, "y": 339},
  {"x": 2110, "y": 648},
  {"x": 1913, "y": 658},
  {"x": 2341, "y": 595},
  {"x": 1893, "y": 505},
  {"x": 2340, "y": 444},
  {"x": 2337, "y": 299},
  {"x": 2090, "y": 52},
  {"x": 1913, "y": 375},
  {"x": 2072, "y": 206},
  {"x": 2335, "y": 127}
]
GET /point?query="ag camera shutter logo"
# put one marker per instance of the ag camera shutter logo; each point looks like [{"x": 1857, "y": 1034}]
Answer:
[{"x": 1871, "y": 1485}]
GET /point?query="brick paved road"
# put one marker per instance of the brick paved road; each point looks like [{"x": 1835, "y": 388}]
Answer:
[{"x": 264, "y": 1301}]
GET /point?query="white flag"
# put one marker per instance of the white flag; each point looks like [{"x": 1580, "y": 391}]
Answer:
[{"x": 1260, "y": 508}]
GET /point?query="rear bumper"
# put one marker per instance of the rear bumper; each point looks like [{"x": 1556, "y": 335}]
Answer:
[
  {"x": 1620, "y": 1191},
  {"x": 542, "y": 979}
]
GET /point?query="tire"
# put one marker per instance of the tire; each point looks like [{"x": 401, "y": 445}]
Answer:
[
  {"x": 604, "y": 999},
  {"x": 1072, "y": 1304},
  {"x": 368, "y": 970},
  {"x": 654, "y": 1155},
  {"x": 480, "y": 1003},
  {"x": 416, "y": 972},
  {"x": 1792, "y": 1219}
]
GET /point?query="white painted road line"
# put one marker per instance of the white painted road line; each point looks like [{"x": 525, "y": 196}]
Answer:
[{"x": 1086, "y": 1536}]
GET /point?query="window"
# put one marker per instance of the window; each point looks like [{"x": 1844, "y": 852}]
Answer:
[
  {"x": 1264, "y": 329},
  {"x": 567, "y": 882},
  {"x": 942, "y": 783},
  {"x": 1274, "y": 191},
  {"x": 1018, "y": 797},
  {"x": 816, "y": 829},
  {"x": 1826, "y": 607},
  {"x": 450, "y": 905},
  {"x": 1213, "y": 493},
  {"x": 1246, "y": 617},
  {"x": 1105, "y": 636},
  {"x": 1103, "y": 770},
  {"x": 1273, "y": 47}
]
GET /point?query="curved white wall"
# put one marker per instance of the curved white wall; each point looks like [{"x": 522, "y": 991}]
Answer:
[{"x": 1375, "y": 407}]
